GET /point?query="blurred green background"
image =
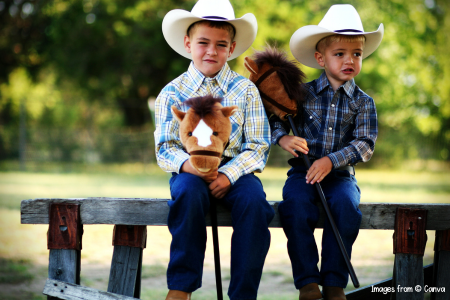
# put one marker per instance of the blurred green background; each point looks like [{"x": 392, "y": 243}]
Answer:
[
  {"x": 77, "y": 77},
  {"x": 77, "y": 82}
]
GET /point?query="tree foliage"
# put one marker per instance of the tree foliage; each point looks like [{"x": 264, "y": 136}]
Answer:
[{"x": 111, "y": 56}]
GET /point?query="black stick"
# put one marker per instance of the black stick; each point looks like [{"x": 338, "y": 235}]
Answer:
[
  {"x": 215, "y": 236},
  {"x": 328, "y": 213}
]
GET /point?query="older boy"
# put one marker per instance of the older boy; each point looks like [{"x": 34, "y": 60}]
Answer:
[
  {"x": 210, "y": 35},
  {"x": 338, "y": 125}
]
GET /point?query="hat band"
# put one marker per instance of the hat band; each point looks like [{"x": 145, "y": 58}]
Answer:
[
  {"x": 214, "y": 17},
  {"x": 347, "y": 30}
]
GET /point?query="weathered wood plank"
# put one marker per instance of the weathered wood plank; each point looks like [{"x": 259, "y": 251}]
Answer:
[
  {"x": 125, "y": 269},
  {"x": 145, "y": 211},
  {"x": 441, "y": 276},
  {"x": 64, "y": 265},
  {"x": 442, "y": 283},
  {"x": 70, "y": 291},
  {"x": 408, "y": 277}
]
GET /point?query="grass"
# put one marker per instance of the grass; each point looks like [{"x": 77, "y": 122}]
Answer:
[{"x": 23, "y": 249}]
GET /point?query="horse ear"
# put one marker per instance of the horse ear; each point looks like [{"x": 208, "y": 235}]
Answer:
[
  {"x": 251, "y": 65},
  {"x": 178, "y": 114},
  {"x": 228, "y": 111}
]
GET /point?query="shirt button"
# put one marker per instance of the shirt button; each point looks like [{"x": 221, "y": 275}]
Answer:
[
  {"x": 330, "y": 128},
  {"x": 332, "y": 105},
  {"x": 310, "y": 117}
]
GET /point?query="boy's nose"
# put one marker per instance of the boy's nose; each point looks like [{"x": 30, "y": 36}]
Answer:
[{"x": 212, "y": 51}]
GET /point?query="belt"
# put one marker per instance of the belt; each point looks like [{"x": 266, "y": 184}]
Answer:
[{"x": 298, "y": 161}]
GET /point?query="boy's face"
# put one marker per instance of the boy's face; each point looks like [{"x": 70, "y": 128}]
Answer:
[
  {"x": 342, "y": 61},
  {"x": 210, "y": 49}
]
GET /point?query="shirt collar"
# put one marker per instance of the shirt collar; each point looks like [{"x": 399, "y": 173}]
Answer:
[
  {"x": 348, "y": 86},
  {"x": 196, "y": 77}
]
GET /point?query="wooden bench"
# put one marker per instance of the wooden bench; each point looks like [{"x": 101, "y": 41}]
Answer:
[{"x": 131, "y": 216}]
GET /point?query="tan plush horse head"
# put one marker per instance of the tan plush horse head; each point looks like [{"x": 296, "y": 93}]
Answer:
[
  {"x": 204, "y": 130},
  {"x": 278, "y": 80}
]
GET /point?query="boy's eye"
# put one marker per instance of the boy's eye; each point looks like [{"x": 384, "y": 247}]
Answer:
[
  {"x": 189, "y": 133},
  {"x": 215, "y": 133},
  {"x": 339, "y": 54},
  {"x": 222, "y": 45},
  {"x": 357, "y": 54}
]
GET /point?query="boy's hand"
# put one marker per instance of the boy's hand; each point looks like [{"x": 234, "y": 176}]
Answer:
[
  {"x": 220, "y": 187},
  {"x": 291, "y": 143},
  {"x": 319, "y": 169},
  {"x": 209, "y": 177}
]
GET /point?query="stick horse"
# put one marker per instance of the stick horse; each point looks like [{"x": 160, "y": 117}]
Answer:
[
  {"x": 204, "y": 132},
  {"x": 279, "y": 82}
]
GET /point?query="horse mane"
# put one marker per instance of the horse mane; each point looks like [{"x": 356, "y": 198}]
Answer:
[
  {"x": 202, "y": 106},
  {"x": 289, "y": 73}
]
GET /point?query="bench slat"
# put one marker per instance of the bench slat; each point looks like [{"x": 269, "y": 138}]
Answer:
[{"x": 147, "y": 211}]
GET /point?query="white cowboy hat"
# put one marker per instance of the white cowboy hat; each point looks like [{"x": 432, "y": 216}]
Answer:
[
  {"x": 340, "y": 19},
  {"x": 177, "y": 21}
]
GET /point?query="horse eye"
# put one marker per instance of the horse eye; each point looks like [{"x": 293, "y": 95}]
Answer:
[
  {"x": 215, "y": 133},
  {"x": 189, "y": 133}
]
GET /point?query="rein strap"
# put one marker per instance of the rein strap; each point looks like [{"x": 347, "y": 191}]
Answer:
[{"x": 268, "y": 98}]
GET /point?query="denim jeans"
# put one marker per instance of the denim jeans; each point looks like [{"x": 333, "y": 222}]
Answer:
[
  {"x": 299, "y": 214},
  {"x": 251, "y": 215}
]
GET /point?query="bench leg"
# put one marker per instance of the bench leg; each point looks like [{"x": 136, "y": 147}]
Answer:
[
  {"x": 64, "y": 242},
  {"x": 126, "y": 265},
  {"x": 441, "y": 275},
  {"x": 409, "y": 246}
]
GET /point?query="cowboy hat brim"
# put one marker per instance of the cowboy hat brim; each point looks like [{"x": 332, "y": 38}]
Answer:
[
  {"x": 177, "y": 21},
  {"x": 303, "y": 42}
]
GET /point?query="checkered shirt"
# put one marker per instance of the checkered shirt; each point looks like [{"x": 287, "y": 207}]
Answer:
[
  {"x": 249, "y": 142},
  {"x": 341, "y": 125}
]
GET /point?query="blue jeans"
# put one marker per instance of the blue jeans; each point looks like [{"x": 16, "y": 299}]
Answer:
[
  {"x": 299, "y": 214},
  {"x": 251, "y": 215}
]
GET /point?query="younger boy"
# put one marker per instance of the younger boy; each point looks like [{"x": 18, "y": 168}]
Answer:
[
  {"x": 338, "y": 128},
  {"x": 210, "y": 35}
]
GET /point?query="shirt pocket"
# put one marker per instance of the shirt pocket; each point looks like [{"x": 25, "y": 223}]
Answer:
[
  {"x": 347, "y": 123},
  {"x": 237, "y": 122},
  {"x": 313, "y": 121}
]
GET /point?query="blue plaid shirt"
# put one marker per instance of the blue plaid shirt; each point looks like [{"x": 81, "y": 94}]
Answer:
[
  {"x": 341, "y": 125},
  {"x": 249, "y": 142}
]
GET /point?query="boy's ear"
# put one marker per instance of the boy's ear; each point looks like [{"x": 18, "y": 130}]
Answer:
[
  {"x": 250, "y": 65},
  {"x": 319, "y": 58},
  {"x": 187, "y": 44},
  {"x": 178, "y": 114},
  {"x": 228, "y": 111},
  {"x": 232, "y": 47}
]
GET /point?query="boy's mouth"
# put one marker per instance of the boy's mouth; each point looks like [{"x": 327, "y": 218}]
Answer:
[
  {"x": 211, "y": 61},
  {"x": 347, "y": 71}
]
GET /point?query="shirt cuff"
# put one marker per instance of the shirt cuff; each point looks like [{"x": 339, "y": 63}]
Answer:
[{"x": 231, "y": 171}]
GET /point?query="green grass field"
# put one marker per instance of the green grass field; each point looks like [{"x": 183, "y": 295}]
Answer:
[{"x": 24, "y": 254}]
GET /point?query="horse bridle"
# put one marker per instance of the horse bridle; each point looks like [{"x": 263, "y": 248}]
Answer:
[
  {"x": 267, "y": 97},
  {"x": 205, "y": 153}
]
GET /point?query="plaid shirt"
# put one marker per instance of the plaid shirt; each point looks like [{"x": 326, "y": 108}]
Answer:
[
  {"x": 249, "y": 142},
  {"x": 341, "y": 125}
]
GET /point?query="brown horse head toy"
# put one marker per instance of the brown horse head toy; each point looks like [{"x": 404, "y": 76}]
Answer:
[
  {"x": 278, "y": 80},
  {"x": 204, "y": 130}
]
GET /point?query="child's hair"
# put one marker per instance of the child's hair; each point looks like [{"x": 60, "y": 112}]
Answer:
[
  {"x": 213, "y": 24},
  {"x": 328, "y": 40}
]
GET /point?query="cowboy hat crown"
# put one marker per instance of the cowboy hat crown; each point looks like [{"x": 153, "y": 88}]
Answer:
[
  {"x": 177, "y": 21},
  {"x": 340, "y": 19}
]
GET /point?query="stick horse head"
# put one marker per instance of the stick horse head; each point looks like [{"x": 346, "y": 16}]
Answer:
[
  {"x": 278, "y": 80},
  {"x": 204, "y": 130}
]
